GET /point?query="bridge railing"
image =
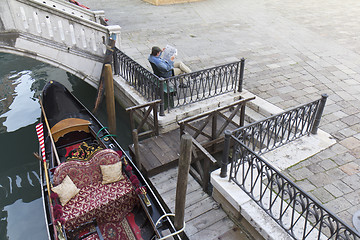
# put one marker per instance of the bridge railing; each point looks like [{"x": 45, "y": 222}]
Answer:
[
  {"x": 67, "y": 26},
  {"x": 183, "y": 89},
  {"x": 64, "y": 6}
]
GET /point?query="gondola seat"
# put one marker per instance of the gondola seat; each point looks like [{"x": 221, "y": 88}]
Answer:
[{"x": 105, "y": 202}]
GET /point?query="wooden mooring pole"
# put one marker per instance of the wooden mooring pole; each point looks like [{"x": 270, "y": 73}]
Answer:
[
  {"x": 136, "y": 148},
  {"x": 110, "y": 98},
  {"x": 183, "y": 173}
]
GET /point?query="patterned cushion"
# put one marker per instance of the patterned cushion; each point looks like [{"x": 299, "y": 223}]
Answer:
[
  {"x": 66, "y": 190},
  {"x": 111, "y": 173},
  {"x": 108, "y": 203}
]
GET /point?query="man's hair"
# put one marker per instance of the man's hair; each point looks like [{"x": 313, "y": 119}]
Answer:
[{"x": 155, "y": 50}]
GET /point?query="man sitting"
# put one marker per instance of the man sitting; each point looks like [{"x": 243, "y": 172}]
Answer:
[{"x": 166, "y": 68}]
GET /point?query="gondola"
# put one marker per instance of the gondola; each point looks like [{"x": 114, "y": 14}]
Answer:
[{"x": 91, "y": 187}]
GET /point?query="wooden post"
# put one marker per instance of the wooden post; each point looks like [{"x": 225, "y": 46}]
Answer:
[
  {"x": 214, "y": 130},
  {"x": 136, "y": 148},
  {"x": 110, "y": 98},
  {"x": 183, "y": 173}
]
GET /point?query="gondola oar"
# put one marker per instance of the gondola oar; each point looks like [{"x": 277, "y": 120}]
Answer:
[
  {"x": 40, "y": 134},
  {"x": 49, "y": 131}
]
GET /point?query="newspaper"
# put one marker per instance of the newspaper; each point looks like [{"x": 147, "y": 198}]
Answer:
[{"x": 168, "y": 52}]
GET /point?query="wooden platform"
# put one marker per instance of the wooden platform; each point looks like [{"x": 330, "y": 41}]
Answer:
[
  {"x": 204, "y": 217},
  {"x": 159, "y": 153},
  {"x": 162, "y": 152}
]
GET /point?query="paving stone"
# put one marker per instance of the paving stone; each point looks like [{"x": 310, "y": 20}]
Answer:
[
  {"x": 320, "y": 179},
  {"x": 315, "y": 168},
  {"x": 326, "y": 154},
  {"x": 350, "y": 168},
  {"x": 347, "y": 132},
  {"x": 322, "y": 195},
  {"x": 305, "y": 185},
  {"x": 346, "y": 216},
  {"x": 338, "y": 148},
  {"x": 352, "y": 181},
  {"x": 350, "y": 143},
  {"x": 342, "y": 186},
  {"x": 338, "y": 205},
  {"x": 328, "y": 164},
  {"x": 333, "y": 190},
  {"x": 353, "y": 198},
  {"x": 336, "y": 173},
  {"x": 351, "y": 120},
  {"x": 301, "y": 173}
]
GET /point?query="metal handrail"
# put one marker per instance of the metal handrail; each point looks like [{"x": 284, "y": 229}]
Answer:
[
  {"x": 183, "y": 89},
  {"x": 275, "y": 131},
  {"x": 300, "y": 215}
]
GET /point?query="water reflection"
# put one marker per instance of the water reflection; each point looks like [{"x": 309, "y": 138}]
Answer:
[
  {"x": 24, "y": 109},
  {"x": 21, "y": 210}
]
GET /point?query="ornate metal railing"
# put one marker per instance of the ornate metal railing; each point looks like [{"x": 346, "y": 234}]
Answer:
[
  {"x": 267, "y": 134},
  {"x": 203, "y": 84},
  {"x": 301, "y": 216},
  {"x": 183, "y": 89},
  {"x": 145, "y": 82}
]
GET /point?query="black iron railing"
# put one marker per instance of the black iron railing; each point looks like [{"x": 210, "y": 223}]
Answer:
[
  {"x": 145, "y": 82},
  {"x": 267, "y": 134},
  {"x": 301, "y": 216},
  {"x": 183, "y": 89},
  {"x": 203, "y": 84},
  {"x": 293, "y": 209}
]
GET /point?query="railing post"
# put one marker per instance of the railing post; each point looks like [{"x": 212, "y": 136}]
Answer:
[
  {"x": 242, "y": 114},
  {"x": 135, "y": 137},
  {"x": 224, "y": 161},
  {"x": 156, "y": 121},
  {"x": 162, "y": 108},
  {"x": 319, "y": 113},
  {"x": 242, "y": 66},
  {"x": 116, "y": 63}
]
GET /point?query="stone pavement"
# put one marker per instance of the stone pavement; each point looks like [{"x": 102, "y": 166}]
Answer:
[{"x": 294, "y": 51}]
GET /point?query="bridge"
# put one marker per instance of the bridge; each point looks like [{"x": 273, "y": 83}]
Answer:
[{"x": 58, "y": 33}]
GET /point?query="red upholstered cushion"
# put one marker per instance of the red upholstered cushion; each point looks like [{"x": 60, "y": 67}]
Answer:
[{"x": 108, "y": 203}]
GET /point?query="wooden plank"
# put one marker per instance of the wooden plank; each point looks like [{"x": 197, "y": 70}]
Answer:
[
  {"x": 199, "y": 208},
  {"x": 164, "y": 177},
  {"x": 234, "y": 234},
  {"x": 154, "y": 149},
  {"x": 150, "y": 161},
  {"x": 173, "y": 140},
  {"x": 217, "y": 229},
  {"x": 169, "y": 154},
  {"x": 204, "y": 221}
]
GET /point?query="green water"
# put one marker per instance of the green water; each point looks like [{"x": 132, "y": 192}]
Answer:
[{"x": 21, "y": 82}]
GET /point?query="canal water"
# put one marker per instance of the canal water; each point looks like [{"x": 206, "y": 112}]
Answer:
[{"x": 21, "y": 82}]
